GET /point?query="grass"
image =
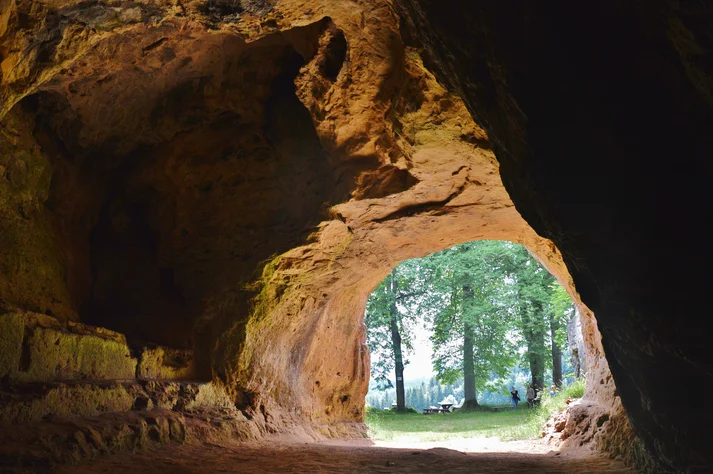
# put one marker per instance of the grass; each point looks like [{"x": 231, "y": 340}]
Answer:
[{"x": 503, "y": 422}]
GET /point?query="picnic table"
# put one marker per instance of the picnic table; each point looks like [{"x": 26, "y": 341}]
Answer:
[{"x": 442, "y": 408}]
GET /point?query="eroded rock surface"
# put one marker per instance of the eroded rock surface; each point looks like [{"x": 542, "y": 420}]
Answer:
[
  {"x": 601, "y": 120},
  {"x": 230, "y": 180}
]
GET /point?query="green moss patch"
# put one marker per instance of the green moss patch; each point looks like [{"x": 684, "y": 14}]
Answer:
[
  {"x": 12, "y": 328},
  {"x": 56, "y": 355}
]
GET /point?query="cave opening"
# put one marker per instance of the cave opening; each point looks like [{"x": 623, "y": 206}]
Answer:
[
  {"x": 233, "y": 186},
  {"x": 469, "y": 330}
]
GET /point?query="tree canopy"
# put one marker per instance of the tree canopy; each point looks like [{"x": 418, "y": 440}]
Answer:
[{"x": 488, "y": 305}]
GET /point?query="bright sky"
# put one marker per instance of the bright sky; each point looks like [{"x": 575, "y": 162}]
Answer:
[
  {"x": 419, "y": 366},
  {"x": 420, "y": 360}
]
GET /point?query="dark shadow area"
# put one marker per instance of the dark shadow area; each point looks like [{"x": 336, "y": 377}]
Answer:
[
  {"x": 601, "y": 120},
  {"x": 157, "y": 228}
]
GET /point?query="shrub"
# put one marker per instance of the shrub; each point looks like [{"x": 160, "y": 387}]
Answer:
[{"x": 575, "y": 389}]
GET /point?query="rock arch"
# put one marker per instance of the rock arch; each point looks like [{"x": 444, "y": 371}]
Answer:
[{"x": 155, "y": 157}]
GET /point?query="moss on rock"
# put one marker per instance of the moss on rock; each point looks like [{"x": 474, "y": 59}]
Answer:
[
  {"x": 57, "y": 355},
  {"x": 165, "y": 364},
  {"x": 38, "y": 348},
  {"x": 12, "y": 327},
  {"x": 67, "y": 401}
]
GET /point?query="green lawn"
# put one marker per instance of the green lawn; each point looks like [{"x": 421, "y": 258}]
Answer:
[
  {"x": 506, "y": 423},
  {"x": 415, "y": 427}
]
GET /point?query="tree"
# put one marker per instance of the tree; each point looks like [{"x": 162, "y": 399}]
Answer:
[
  {"x": 530, "y": 282},
  {"x": 484, "y": 301},
  {"x": 470, "y": 325},
  {"x": 561, "y": 311},
  {"x": 388, "y": 322},
  {"x": 543, "y": 309}
]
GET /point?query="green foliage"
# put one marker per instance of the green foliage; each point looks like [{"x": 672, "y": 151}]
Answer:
[
  {"x": 390, "y": 302},
  {"x": 561, "y": 310},
  {"x": 470, "y": 312},
  {"x": 575, "y": 389},
  {"x": 488, "y": 304}
]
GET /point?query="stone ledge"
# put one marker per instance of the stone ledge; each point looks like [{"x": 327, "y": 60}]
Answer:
[
  {"x": 163, "y": 363},
  {"x": 39, "y": 348},
  {"x": 36, "y": 402},
  {"x": 28, "y": 403},
  {"x": 40, "y": 447}
]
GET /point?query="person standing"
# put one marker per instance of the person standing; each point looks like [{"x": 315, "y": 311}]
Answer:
[
  {"x": 515, "y": 397},
  {"x": 530, "y": 396}
]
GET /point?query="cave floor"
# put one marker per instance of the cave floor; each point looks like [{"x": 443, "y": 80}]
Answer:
[{"x": 345, "y": 456}]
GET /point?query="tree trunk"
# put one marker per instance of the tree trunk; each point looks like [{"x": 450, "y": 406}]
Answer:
[
  {"x": 535, "y": 341},
  {"x": 537, "y": 362},
  {"x": 468, "y": 369},
  {"x": 398, "y": 354},
  {"x": 468, "y": 359},
  {"x": 576, "y": 345},
  {"x": 556, "y": 355},
  {"x": 535, "y": 338}
]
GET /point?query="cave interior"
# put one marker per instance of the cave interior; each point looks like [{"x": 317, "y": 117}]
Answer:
[{"x": 193, "y": 210}]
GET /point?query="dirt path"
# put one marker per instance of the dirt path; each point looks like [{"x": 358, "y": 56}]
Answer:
[{"x": 350, "y": 456}]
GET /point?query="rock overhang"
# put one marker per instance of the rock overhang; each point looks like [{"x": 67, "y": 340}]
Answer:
[{"x": 226, "y": 138}]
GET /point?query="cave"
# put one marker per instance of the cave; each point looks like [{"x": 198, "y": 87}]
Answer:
[{"x": 197, "y": 198}]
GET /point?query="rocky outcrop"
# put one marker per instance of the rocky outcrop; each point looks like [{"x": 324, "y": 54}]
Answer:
[
  {"x": 41, "y": 447},
  {"x": 52, "y": 370},
  {"x": 310, "y": 133},
  {"x": 572, "y": 103},
  {"x": 38, "y": 447},
  {"x": 223, "y": 183},
  {"x": 38, "y": 348}
]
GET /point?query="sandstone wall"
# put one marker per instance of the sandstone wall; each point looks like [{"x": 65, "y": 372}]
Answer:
[
  {"x": 234, "y": 179},
  {"x": 601, "y": 121}
]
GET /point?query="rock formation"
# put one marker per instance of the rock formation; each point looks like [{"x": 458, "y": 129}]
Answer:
[
  {"x": 601, "y": 120},
  {"x": 220, "y": 184}
]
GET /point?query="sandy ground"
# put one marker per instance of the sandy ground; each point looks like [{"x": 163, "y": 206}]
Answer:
[{"x": 472, "y": 455}]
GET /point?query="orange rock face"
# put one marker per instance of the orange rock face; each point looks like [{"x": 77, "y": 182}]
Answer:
[{"x": 236, "y": 180}]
